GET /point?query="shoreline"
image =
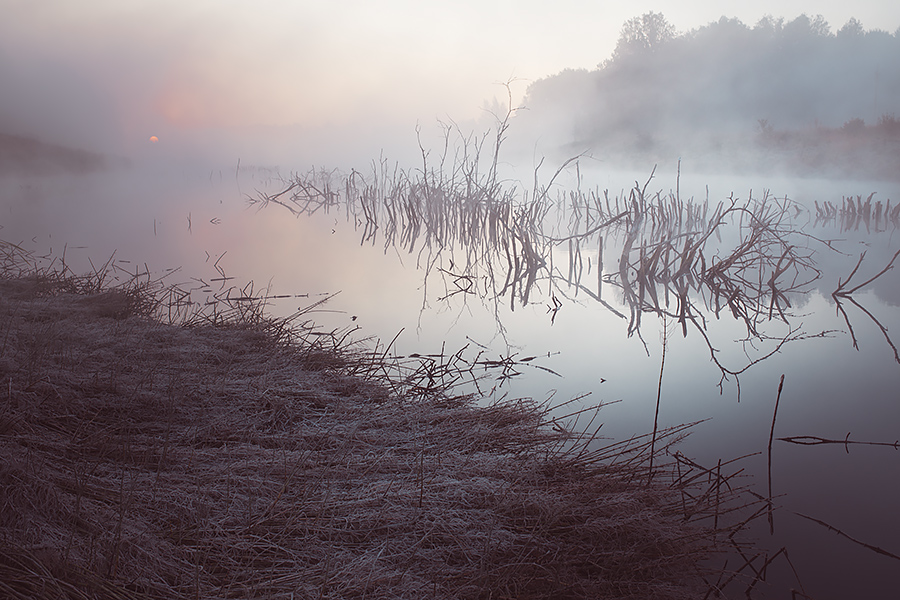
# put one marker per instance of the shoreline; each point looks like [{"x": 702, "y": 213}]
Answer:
[{"x": 228, "y": 457}]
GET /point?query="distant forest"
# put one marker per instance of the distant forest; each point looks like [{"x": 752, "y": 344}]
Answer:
[{"x": 789, "y": 95}]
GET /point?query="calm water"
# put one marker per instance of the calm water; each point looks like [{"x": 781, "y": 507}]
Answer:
[{"x": 193, "y": 218}]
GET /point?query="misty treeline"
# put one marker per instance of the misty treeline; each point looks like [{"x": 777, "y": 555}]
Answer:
[{"x": 785, "y": 87}]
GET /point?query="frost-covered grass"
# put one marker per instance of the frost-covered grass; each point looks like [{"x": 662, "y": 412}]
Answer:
[{"x": 228, "y": 455}]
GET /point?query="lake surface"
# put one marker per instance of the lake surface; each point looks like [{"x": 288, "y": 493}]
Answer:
[{"x": 199, "y": 220}]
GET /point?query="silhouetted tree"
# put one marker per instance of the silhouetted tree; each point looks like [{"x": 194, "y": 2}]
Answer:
[
  {"x": 643, "y": 34},
  {"x": 769, "y": 25},
  {"x": 805, "y": 27},
  {"x": 852, "y": 28}
]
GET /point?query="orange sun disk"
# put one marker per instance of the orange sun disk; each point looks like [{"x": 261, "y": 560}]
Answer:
[{"x": 153, "y": 139}]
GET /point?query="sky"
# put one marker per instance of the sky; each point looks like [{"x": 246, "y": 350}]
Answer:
[{"x": 109, "y": 74}]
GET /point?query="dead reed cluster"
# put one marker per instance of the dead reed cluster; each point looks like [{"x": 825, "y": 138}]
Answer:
[
  {"x": 851, "y": 214},
  {"x": 742, "y": 257},
  {"x": 454, "y": 214},
  {"x": 489, "y": 237},
  {"x": 680, "y": 259},
  {"x": 233, "y": 456}
]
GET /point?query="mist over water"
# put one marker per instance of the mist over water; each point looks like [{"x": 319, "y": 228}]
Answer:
[{"x": 193, "y": 220}]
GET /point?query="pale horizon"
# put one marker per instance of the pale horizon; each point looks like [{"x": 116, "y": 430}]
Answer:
[{"x": 109, "y": 75}]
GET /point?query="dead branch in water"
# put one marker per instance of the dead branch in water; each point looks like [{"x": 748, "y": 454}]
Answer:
[
  {"x": 814, "y": 440},
  {"x": 769, "y": 455},
  {"x": 841, "y": 294},
  {"x": 875, "y": 549}
]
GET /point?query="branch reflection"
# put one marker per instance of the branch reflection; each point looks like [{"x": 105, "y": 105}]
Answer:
[{"x": 683, "y": 260}]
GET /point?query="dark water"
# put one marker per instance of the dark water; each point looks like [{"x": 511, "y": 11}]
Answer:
[{"x": 393, "y": 280}]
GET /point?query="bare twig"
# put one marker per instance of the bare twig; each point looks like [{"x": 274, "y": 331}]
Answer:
[
  {"x": 814, "y": 440},
  {"x": 876, "y": 549},
  {"x": 769, "y": 454}
]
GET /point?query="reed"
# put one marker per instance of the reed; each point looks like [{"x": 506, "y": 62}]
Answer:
[
  {"x": 680, "y": 259},
  {"x": 852, "y": 214},
  {"x": 471, "y": 225}
]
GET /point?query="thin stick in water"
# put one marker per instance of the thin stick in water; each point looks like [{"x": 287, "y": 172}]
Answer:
[
  {"x": 662, "y": 364},
  {"x": 771, "y": 437}
]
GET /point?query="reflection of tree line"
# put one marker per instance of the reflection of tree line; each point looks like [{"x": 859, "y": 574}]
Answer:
[{"x": 679, "y": 259}]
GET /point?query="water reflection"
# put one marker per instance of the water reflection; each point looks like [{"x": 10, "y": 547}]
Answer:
[
  {"x": 745, "y": 277},
  {"x": 685, "y": 261},
  {"x": 546, "y": 266}
]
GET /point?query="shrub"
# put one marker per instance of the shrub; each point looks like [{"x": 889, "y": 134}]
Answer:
[
  {"x": 856, "y": 125},
  {"x": 889, "y": 124}
]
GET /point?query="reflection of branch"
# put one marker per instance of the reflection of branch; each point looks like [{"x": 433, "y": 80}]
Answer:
[
  {"x": 552, "y": 309},
  {"x": 769, "y": 455},
  {"x": 881, "y": 551},
  {"x": 592, "y": 231},
  {"x": 840, "y": 309},
  {"x": 579, "y": 287},
  {"x": 884, "y": 330},
  {"x": 792, "y": 335},
  {"x": 841, "y": 294},
  {"x": 662, "y": 365},
  {"x": 814, "y": 440},
  {"x": 840, "y": 289},
  {"x": 463, "y": 283}
]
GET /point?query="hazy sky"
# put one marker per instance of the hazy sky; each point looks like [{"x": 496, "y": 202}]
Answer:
[{"x": 108, "y": 74}]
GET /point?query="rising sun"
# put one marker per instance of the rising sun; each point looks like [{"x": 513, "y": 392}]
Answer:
[{"x": 153, "y": 139}]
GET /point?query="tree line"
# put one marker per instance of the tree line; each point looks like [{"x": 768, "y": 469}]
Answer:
[{"x": 664, "y": 92}]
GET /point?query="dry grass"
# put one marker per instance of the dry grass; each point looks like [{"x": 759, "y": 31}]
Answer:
[{"x": 235, "y": 457}]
